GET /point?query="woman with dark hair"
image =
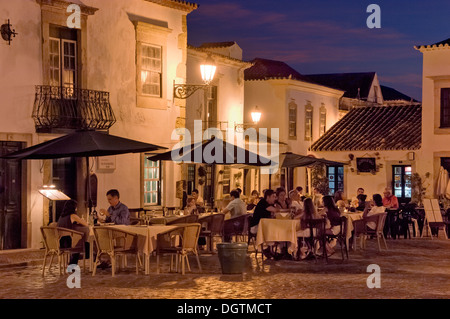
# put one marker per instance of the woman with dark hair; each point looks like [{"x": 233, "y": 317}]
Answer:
[
  {"x": 309, "y": 212},
  {"x": 69, "y": 219},
  {"x": 282, "y": 201},
  {"x": 377, "y": 208},
  {"x": 361, "y": 202},
  {"x": 332, "y": 212}
]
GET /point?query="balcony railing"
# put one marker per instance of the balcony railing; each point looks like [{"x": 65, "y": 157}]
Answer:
[{"x": 58, "y": 107}]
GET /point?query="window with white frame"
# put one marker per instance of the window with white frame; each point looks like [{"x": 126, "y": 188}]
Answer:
[
  {"x": 322, "y": 120},
  {"x": 63, "y": 57},
  {"x": 152, "y": 182},
  {"x": 308, "y": 121},
  {"x": 292, "y": 120},
  {"x": 151, "y": 69}
]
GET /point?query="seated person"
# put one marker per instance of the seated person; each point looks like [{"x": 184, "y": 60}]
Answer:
[
  {"x": 253, "y": 201},
  {"x": 296, "y": 203},
  {"x": 389, "y": 200},
  {"x": 191, "y": 208},
  {"x": 361, "y": 202},
  {"x": 69, "y": 219},
  {"x": 264, "y": 209},
  {"x": 354, "y": 202},
  {"x": 198, "y": 199},
  {"x": 377, "y": 208},
  {"x": 317, "y": 198},
  {"x": 282, "y": 201},
  {"x": 339, "y": 201},
  {"x": 118, "y": 212},
  {"x": 236, "y": 207}
]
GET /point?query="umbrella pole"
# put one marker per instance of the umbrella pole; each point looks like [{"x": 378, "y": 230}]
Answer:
[{"x": 88, "y": 187}]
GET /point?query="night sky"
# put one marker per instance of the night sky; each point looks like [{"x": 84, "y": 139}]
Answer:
[{"x": 328, "y": 36}]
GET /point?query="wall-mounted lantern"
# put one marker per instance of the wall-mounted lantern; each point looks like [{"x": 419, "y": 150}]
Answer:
[{"x": 7, "y": 33}]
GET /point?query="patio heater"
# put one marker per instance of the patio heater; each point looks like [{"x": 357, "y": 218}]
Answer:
[{"x": 51, "y": 193}]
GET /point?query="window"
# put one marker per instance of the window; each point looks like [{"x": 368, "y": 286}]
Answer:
[
  {"x": 190, "y": 178},
  {"x": 308, "y": 121},
  {"x": 445, "y": 107},
  {"x": 322, "y": 120},
  {"x": 152, "y": 182},
  {"x": 402, "y": 182},
  {"x": 151, "y": 70},
  {"x": 292, "y": 120},
  {"x": 63, "y": 57},
  {"x": 335, "y": 175},
  {"x": 212, "y": 107}
]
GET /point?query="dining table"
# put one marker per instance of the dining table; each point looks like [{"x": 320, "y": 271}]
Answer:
[
  {"x": 352, "y": 217},
  {"x": 278, "y": 230},
  {"x": 146, "y": 239}
]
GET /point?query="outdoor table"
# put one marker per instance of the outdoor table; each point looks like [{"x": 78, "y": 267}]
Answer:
[
  {"x": 147, "y": 236},
  {"x": 273, "y": 230},
  {"x": 164, "y": 220}
]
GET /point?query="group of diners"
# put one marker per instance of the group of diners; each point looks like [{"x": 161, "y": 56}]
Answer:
[{"x": 331, "y": 208}]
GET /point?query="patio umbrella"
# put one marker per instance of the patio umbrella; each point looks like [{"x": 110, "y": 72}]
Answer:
[
  {"x": 442, "y": 182},
  {"x": 212, "y": 151},
  {"x": 83, "y": 144},
  {"x": 291, "y": 160}
]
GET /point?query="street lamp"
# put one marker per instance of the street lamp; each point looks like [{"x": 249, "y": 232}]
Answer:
[
  {"x": 207, "y": 69},
  {"x": 256, "y": 115}
]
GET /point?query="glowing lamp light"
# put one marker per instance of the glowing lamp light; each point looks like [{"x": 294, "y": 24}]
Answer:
[
  {"x": 208, "y": 69},
  {"x": 256, "y": 115}
]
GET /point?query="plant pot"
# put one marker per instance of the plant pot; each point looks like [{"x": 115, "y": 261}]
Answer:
[{"x": 232, "y": 257}]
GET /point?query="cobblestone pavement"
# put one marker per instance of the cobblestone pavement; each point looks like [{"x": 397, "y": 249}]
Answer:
[{"x": 411, "y": 268}]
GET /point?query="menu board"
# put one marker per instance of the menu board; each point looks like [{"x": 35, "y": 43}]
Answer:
[{"x": 366, "y": 164}]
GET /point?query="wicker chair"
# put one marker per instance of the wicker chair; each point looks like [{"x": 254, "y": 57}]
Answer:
[
  {"x": 317, "y": 235},
  {"x": 178, "y": 243},
  {"x": 52, "y": 236},
  {"x": 236, "y": 226},
  {"x": 113, "y": 242}
]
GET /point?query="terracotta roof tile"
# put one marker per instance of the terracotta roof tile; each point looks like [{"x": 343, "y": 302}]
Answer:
[
  {"x": 374, "y": 128},
  {"x": 209, "y": 45},
  {"x": 390, "y": 94}
]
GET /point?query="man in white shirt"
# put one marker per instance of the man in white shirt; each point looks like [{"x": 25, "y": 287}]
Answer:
[
  {"x": 198, "y": 199},
  {"x": 296, "y": 203},
  {"x": 237, "y": 206}
]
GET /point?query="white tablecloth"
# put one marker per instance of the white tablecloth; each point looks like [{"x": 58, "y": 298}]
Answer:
[{"x": 273, "y": 230}]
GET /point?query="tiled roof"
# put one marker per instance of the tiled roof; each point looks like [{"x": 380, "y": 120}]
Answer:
[
  {"x": 444, "y": 43},
  {"x": 374, "y": 128},
  {"x": 191, "y": 47},
  {"x": 209, "y": 45},
  {"x": 390, "y": 94},
  {"x": 264, "y": 69},
  {"x": 348, "y": 82}
]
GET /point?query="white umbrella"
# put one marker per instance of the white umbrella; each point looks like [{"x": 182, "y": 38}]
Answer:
[{"x": 442, "y": 182}]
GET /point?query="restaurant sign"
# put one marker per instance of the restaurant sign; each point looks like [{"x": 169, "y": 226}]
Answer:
[
  {"x": 366, "y": 164},
  {"x": 106, "y": 162}
]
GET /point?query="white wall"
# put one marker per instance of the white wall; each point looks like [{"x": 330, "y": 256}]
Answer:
[{"x": 435, "y": 141}]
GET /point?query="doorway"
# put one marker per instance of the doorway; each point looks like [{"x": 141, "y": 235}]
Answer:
[
  {"x": 10, "y": 197},
  {"x": 401, "y": 182}
]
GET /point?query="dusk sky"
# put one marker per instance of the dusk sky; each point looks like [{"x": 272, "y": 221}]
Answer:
[{"x": 325, "y": 36}]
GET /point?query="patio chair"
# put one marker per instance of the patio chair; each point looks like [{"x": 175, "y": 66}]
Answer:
[
  {"x": 317, "y": 236},
  {"x": 188, "y": 219},
  {"x": 178, "y": 243},
  {"x": 212, "y": 226},
  {"x": 235, "y": 227},
  {"x": 52, "y": 237},
  {"x": 114, "y": 243},
  {"x": 341, "y": 236},
  {"x": 379, "y": 219},
  {"x": 251, "y": 236}
]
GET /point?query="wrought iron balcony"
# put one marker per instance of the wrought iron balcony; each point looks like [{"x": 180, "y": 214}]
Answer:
[{"x": 58, "y": 107}]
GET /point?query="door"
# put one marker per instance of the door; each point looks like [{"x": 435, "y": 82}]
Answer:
[
  {"x": 401, "y": 182},
  {"x": 335, "y": 175},
  {"x": 10, "y": 197},
  {"x": 208, "y": 190}
]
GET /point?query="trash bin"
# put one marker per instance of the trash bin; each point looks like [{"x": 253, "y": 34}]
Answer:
[{"x": 232, "y": 257}]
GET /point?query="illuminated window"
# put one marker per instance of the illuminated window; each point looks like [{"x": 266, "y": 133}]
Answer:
[
  {"x": 308, "y": 121},
  {"x": 151, "y": 69},
  {"x": 322, "y": 120},
  {"x": 292, "y": 120},
  {"x": 152, "y": 182}
]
